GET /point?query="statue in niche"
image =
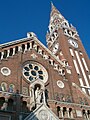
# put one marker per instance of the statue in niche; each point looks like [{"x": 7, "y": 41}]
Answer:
[
  {"x": 57, "y": 97},
  {"x": 81, "y": 101},
  {"x": 62, "y": 98},
  {"x": 38, "y": 95},
  {"x": 85, "y": 101},
  {"x": 68, "y": 99}
]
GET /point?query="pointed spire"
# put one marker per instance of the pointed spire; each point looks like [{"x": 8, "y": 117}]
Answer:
[
  {"x": 55, "y": 10},
  {"x": 51, "y": 3},
  {"x": 52, "y": 6}
]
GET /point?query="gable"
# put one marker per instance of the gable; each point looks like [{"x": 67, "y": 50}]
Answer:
[
  {"x": 11, "y": 49},
  {"x": 42, "y": 113}
]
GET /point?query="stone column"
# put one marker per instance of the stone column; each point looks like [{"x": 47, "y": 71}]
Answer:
[
  {"x": 30, "y": 46},
  {"x": 35, "y": 47},
  {"x": 40, "y": 51},
  {"x": 8, "y": 51},
  {"x": 71, "y": 114},
  {"x": 62, "y": 112},
  {"x": 13, "y": 51},
  {"x": 25, "y": 48},
  {"x": 68, "y": 115},
  {"x": 19, "y": 48},
  {"x": 44, "y": 100}
]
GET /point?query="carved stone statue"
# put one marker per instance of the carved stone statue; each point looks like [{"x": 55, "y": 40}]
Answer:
[{"x": 38, "y": 95}]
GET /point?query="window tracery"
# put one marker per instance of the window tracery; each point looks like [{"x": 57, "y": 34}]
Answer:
[{"x": 33, "y": 71}]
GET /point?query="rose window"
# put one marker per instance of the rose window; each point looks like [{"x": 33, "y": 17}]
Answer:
[{"x": 33, "y": 71}]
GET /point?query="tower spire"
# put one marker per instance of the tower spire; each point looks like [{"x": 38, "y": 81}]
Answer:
[
  {"x": 57, "y": 24},
  {"x": 51, "y": 3},
  {"x": 58, "y": 21},
  {"x": 52, "y": 6},
  {"x": 54, "y": 11}
]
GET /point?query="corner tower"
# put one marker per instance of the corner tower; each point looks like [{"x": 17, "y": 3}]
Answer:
[{"x": 64, "y": 42}]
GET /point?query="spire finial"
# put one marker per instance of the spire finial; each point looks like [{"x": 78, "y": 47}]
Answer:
[
  {"x": 52, "y": 6},
  {"x": 54, "y": 10},
  {"x": 51, "y": 3}
]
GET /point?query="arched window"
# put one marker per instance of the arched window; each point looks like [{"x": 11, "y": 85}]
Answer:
[
  {"x": 23, "y": 47},
  {"x": 4, "y": 86},
  {"x": 70, "y": 112},
  {"x": 16, "y": 49},
  {"x": 11, "y": 52},
  {"x": 88, "y": 113},
  {"x": 84, "y": 113},
  {"x": 11, "y": 88},
  {"x": 58, "y": 110},
  {"x": 28, "y": 45},
  {"x": 64, "y": 111},
  {"x": 0, "y": 55},
  {"x": 5, "y": 54}
]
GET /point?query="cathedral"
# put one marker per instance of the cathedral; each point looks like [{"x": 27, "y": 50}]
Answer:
[{"x": 45, "y": 83}]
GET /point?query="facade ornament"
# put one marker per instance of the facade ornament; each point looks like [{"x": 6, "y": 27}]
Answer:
[
  {"x": 31, "y": 35},
  {"x": 38, "y": 95},
  {"x": 34, "y": 56},
  {"x": 5, "y": 71}
]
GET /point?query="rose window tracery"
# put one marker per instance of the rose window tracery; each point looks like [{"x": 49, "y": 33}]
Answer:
[{"x": 33, "y": 71}]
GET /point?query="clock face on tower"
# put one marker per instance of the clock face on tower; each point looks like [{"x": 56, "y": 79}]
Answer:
[
  {"x": 33, "y": 71},
  {"x": 73, "y": 43}
]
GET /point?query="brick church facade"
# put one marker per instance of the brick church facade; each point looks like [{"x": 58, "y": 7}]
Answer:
[{"x": 45, "y": 83}]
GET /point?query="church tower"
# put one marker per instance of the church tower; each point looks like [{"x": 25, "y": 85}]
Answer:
[
  {"x": 64, "y": 42},
  {"x": 40, "y": 83}
]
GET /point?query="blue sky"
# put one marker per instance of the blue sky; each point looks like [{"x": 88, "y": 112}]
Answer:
[{"x": 17, "y": 17}]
